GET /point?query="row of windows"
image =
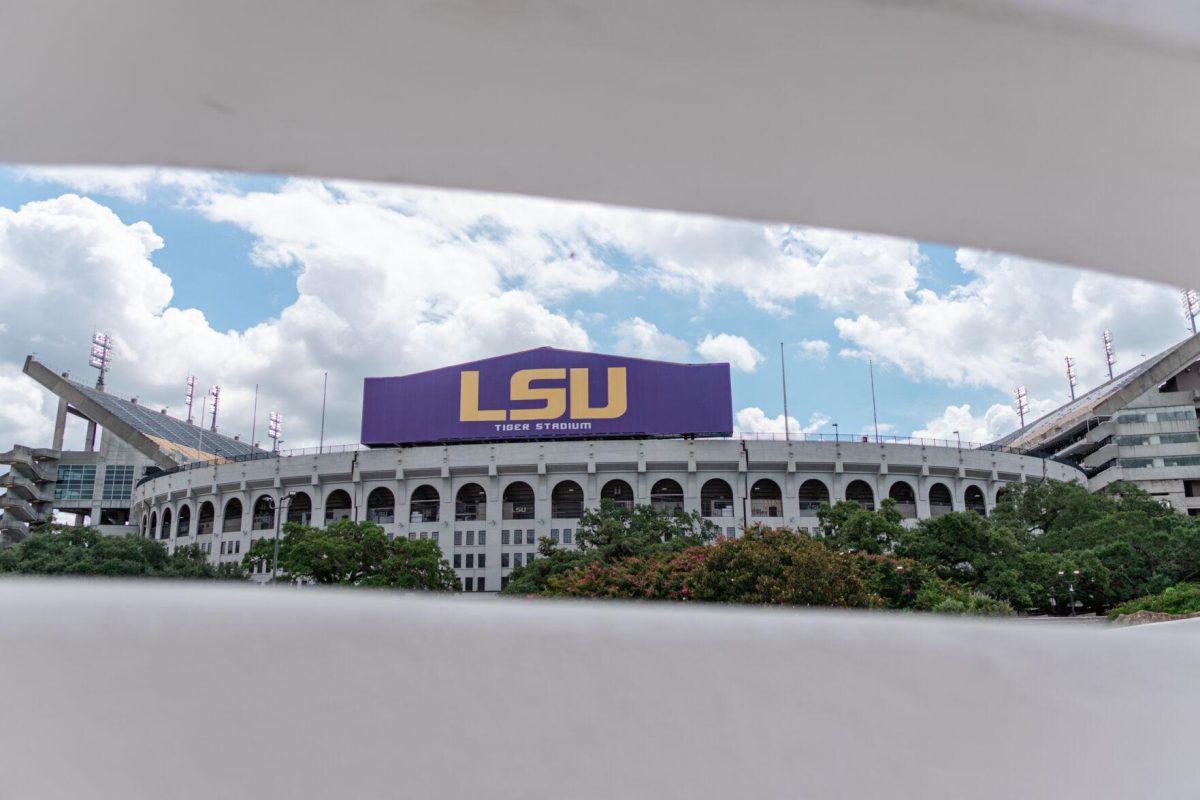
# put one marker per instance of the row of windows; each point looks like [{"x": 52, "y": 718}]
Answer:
[
  {"x": 231, "y": 547},
  {"x": 1169, "y": 414},
  {"x": 470, "y": 538},
  {"x": 1138, "y": 440},
  {"x": 1167, "y": 461},
  {"x": 471, "y": 562},
  {"x": 475, "y": 584}
]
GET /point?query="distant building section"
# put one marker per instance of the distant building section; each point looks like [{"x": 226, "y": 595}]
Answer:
[
  {"x": 124, "y": 442},
  {"x": 1143, "y": 426}
]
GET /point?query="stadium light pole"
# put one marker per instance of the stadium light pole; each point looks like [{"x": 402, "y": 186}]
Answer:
[{"x": 279, "y": 506}]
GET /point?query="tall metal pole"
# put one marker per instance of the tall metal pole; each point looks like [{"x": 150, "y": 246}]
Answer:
[
  {"x": 279, "y": 506},
  {"x": 874, "y": 413},
  {"x": 324, "y": 394},
  {"x": 783, "y": 371},
  {"x": 254, "y": 418}
]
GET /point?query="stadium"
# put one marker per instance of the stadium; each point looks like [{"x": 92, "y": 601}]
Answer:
[{"x": 485, "y": 458}]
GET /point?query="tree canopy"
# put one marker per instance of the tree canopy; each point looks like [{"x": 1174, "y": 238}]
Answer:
[
  {"x": 66, "y": 550},
  {"x": 356, "y": 554}
]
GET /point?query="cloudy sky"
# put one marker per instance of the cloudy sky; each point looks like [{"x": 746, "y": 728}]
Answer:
[{"x": 247, "y": 279}]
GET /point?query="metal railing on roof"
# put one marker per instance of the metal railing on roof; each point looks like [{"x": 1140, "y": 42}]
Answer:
[{"x": 838, "y": 438}]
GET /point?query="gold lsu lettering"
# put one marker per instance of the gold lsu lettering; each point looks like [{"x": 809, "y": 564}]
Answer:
[{"x": 553, "y": 398}]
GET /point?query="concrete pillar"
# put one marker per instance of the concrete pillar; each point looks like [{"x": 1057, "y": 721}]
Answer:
[{"x": 60, "y": 424}]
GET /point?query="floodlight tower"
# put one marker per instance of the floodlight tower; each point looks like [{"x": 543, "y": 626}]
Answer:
[
  {"x": 1072, "y": 381},
  {"x": 1191, "y": 307},
  {"x": 1021, "y": 403},
  {"x": 190, "y": 396},
  {"x": 1110, "y": 357},
  {"x": 101, "y": 356},
  {"x": 214, "y": 401},
  {"x": 274, "y": 428}
]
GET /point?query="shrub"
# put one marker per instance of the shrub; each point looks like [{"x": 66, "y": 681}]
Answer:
[{"x": 1183, "y": 598}]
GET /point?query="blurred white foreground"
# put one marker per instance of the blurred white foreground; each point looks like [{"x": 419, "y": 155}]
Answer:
[{"x": 151, "y": 690}]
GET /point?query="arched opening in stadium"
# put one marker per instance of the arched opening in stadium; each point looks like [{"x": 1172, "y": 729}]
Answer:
[
  {"x": 338, "y": 505},
  {"x": 166, "y": 524},
  {"x": 666, "y": 496},
  {"x": 518, "y": 501},
  {"x": 470, "y": 504},
  {"x": 617, "y": 492},
  {"x": 860, "y": 492},
  {"x": 183, "y": 523},
  {"x": 566, "y": 501},
  {"x": 425, "y": 504},
  {"x": 716, "y": 498},
  {"x": 299, "y": 510},
  {"x": 152, "y": 531},
  {"x": 263, "y": 516},
  {"x": 906, "y": 499},
  {"x": 973, "y": 500},
  {"x": 142, "y": 527},
  {"x": 813, "y": 494},
  {"x": 206, "y": 519},
  {"x": 765, "y": 499},
  {"x": 231, "y": 520},
  {"x": 381, "y": 506},
  {"x": 940, "y": 500}
]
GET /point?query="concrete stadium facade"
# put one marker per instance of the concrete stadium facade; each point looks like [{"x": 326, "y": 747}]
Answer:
[{"x": 487, "y": 505}]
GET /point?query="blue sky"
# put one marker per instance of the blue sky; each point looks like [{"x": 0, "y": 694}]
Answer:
[{"x": 295, "y": 277}]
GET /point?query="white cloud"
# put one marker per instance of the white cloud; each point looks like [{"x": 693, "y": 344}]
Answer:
[
  {"x": 814, "y": 349},
  {"x": 126, "y": 183},
  {"x": 1012, "y": 323},
  {"x": 379, "y": 294},
  {"x": 998, "y": 420},
  {"x": 753, "y": 420},
  {"x": 637, "y": 337},
  {"x": 740, "y": 354}
]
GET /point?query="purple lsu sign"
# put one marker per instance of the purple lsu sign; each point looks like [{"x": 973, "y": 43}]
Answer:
[{"x": 548, "y": 394}]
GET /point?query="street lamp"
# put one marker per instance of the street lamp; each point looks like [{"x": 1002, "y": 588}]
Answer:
[
  {"x": 1070, "y": 587},
  {"x": 279, "y": 516},
  {"x": 958, "y": 437},
  {"x": 835, "y": 432}
]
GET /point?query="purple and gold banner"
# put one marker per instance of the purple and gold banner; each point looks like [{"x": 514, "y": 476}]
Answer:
[{"x": 548, "y": 394}]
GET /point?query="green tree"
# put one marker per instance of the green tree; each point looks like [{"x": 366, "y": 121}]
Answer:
[
  {"x": 853, "y": 529},
  {"x": 781, "y": 567},
  {"x": 960, "y": 546},
  {"x": 354, "y": 553},
  {"x": 68, "y": 550}
]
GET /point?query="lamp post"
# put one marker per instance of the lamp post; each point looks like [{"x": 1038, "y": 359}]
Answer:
[
  {"x": 958, "y": 438},
  {"x": 835, "y": 431},
  {"x": 279, "y": 516},
  {"x": 1070, "y": 587}
]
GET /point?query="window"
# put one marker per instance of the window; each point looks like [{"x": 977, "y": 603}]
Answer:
[
  {"x": 1181, "y": 461},
  {"x": 479, "y": 585},
  {"x": 482, "y": 560},
  {"x": 766, "y": 500},
  {"x": 529, "y": 537},
  {"x": 1132, "y": 440},
  {"x": 516, "y": 559},
  {"x": 1129, "y": 417},
  {"x": 1177, "y": 438},
  {"x": 381, "y": 506},
  {"x": 470, "y": 561},
  {"x": 529, "y": 558},
  {"x": 503, "y": 583},
  {"x": 458, "y": 560},
  {"x": 458, "y": 538},
  {"x": 412, "y": 536},
  {"x": 434, "y": 536},
  {"x": 76, "y": 482},
  {"x": 470, "y": 504},
  {"x": 118, "y": 482},
  {"x": 469, "y": 583},
  {"x": 504, "y": 537},
  {"x": 470, "y": 538},
  {"x": 566, "y": 501},
  {"x": 504, "y": 559},
  {"x": 424, "y": 535},
  {"x": 716, "y": 499},
  {"x": 731, "y": 532},
  {"x": 566, "y": 535},
  {"x": 554, "y": 535},
  {"x": 1136, "y": 463},
  {"x": 1175, "y": 416},
  {"x": 482, "y": 538},
  {"x": 425, "y": 504}
]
